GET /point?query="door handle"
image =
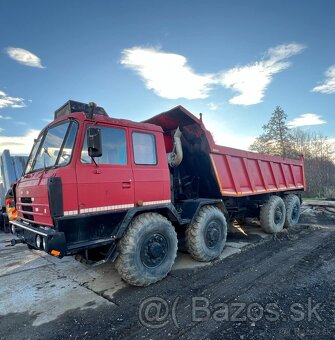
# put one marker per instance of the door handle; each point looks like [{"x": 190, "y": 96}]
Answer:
[{"x": 126, "y": 185}]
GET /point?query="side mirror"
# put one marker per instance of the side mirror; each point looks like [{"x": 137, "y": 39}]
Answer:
[{"x": 94, "y": 144}]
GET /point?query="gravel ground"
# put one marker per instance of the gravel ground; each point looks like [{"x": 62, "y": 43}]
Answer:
[{"x": 263, "y": 286}]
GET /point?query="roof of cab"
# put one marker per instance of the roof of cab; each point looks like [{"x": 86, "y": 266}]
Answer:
[{"x": 80, "y": 116}]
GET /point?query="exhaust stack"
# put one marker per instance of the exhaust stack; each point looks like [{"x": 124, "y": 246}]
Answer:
[{"x": 176, "y": 156}]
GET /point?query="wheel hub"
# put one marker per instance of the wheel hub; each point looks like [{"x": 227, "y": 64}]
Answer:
[
  {"x": 212, "y": 234},
  {"x": 154, "y": 250}
]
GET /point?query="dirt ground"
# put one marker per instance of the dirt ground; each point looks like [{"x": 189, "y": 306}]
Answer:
[{"x": 263, "y": 286}]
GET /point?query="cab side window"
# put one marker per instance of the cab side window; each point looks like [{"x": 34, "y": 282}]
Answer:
[
  {"x": 114, "y": 147},
  {"x": 144, "y": 146}
]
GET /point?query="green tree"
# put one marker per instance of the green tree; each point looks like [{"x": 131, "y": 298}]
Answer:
[{"x": 276, "y": 137}]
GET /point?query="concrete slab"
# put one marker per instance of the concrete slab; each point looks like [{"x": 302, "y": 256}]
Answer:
[
  {"x": 45, "y": 286},
  {"x": 185, "y": 261},
  {"x": 44, "y": 294}
]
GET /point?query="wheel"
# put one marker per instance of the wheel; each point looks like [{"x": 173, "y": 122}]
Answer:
[
  {"x": 206, "y": 236},
  {"x": 147, "y": 251},
  {"x": 272, "y": 215},
  {"x": 292, "y": 205}
]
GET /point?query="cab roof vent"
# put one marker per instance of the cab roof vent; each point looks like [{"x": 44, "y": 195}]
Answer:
[{"x": 71, "y": 106}]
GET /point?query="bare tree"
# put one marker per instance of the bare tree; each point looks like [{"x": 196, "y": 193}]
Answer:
[{"x": 319, "y": 161}]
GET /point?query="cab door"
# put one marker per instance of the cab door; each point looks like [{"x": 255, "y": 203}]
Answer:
[
  {"x": 106, "y": 184},
  {"x": 151, "y": 173}
]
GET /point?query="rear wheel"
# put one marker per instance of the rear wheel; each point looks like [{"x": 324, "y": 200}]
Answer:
[
  {"x": 147, "y": 251},
  {"x": 272, "y": 215},
  {"x": 292, "y": 205},
  {"x": 206, "y": 236}
]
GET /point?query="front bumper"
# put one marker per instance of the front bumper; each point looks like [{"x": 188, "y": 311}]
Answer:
[{"x": 51, "y": 241}]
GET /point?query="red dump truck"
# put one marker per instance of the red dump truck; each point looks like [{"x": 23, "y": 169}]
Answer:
[{"x": 133, "y": 190}]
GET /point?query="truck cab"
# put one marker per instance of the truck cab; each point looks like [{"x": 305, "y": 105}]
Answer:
[{"x": 67, "y": 194}]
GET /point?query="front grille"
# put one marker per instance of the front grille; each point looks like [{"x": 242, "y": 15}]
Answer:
[{"x": 27, "y": 208}]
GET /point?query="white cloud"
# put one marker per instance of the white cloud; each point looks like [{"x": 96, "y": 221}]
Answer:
[
  {"x": 24, "y": 57},
  {"x": 213, "y": 106},
  {"x": 5, "y": 117},
  {"x": 329, "y": 84},
  {"x": 170, "y": 76},
  {"x": 19, "y": 145},
  {"x": 167, "y": 74},
  {"x": 306, "y": 119},
  {"x": 7, "y": 101},
  {"x": 252, "y": 80}
]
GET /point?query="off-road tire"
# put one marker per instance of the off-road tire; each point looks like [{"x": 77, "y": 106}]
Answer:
[
  {"x": 131, "y": 264},
  {"x": 270, "y": 220},
  {"x": 197, "y": 234},
  {"x": 292, "y": 204}
]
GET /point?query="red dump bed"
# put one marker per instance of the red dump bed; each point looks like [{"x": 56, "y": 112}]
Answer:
[
  {"x": 241, "y": 173},
  {"x": 236, "y": 172}
]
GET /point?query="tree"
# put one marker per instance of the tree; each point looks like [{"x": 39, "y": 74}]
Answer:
[
  {"x": 319, "y": 162},
  {"x": 276, "y": 138},
  {"x": 319, "y": 152},
  {"x": 312, "y": 145}
]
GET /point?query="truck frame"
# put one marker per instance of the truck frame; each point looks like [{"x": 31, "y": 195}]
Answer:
[{"x": 136, "y": 192}]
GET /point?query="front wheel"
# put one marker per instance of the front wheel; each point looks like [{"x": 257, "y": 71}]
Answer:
[
  {"x": 147, "y": 251},
  {"x": 206, "y": 236}
]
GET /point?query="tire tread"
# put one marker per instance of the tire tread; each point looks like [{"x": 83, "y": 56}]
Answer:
[
  {"x": 194, "y": 235},
  {"x": 289, "y": 201},
  {"x": 125, "y": 264},
  {"x": 266, "y": 221}
]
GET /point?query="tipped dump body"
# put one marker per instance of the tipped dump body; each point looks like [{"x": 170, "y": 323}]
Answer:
[{"x": 231, "y": 171}]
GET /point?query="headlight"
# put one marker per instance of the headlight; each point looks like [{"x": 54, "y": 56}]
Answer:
[{"x": 38, "y": 241}]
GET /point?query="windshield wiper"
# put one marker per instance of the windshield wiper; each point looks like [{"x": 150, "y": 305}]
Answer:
[{"x": 46, "y": 151}]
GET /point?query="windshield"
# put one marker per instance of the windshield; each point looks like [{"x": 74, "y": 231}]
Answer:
[{"x": 53, "y": 147}]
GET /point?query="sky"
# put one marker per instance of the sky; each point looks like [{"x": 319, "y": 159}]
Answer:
[{"x": 234, "y": 61}]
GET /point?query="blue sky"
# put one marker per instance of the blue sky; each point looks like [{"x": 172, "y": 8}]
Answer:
[{"x": 232, "y": 60}]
